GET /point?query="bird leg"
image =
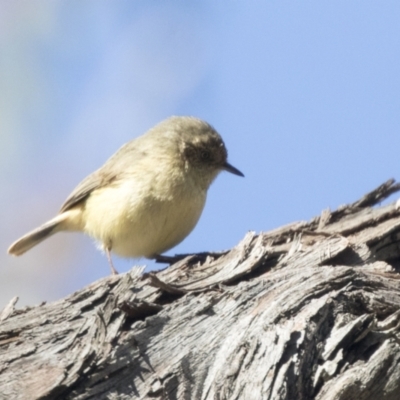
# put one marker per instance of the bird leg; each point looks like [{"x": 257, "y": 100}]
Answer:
[
  {"x": 108, "y": 254},
  {"x": 161, "y": 259}
]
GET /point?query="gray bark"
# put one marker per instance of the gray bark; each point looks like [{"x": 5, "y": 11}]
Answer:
[{"x": 307, "y": 311}]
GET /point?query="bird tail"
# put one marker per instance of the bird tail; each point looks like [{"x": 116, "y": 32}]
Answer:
[{"x": 36, "y": 236}]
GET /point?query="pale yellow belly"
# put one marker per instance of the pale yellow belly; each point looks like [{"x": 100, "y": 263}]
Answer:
[{"x": 134, "y": 225}]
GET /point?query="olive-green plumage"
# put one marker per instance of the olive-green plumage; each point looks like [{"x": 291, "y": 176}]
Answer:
[{"x": 148, "y": 196}]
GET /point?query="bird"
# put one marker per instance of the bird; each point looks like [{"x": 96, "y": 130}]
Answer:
[{"x": 148, "y": 196}]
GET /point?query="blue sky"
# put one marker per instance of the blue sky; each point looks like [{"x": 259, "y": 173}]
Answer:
[{"x": 305, "y": 95}]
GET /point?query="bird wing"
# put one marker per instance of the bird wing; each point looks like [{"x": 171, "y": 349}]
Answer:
[
  {"x": 83, "y": 190},
  {"x": 125, "y": 158}
]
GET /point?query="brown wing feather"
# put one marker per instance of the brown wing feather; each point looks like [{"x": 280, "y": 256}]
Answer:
[
  {"x": 114, "y": 168},
  {"x": 83, "y": 190}
]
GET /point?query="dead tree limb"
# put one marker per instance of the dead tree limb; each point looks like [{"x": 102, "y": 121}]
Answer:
[{"x": 307, "y": 311}]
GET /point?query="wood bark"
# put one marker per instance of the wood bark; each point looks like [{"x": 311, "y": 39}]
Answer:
[{"x": 307, "y": 311}]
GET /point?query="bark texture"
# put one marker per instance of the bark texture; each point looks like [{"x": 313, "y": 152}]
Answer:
[{"x": 307, "y": 311}]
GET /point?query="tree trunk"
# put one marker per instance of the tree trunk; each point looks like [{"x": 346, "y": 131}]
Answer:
[{"x": 307, "y": 311}]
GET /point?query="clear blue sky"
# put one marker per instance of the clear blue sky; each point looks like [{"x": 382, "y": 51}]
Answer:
[{"x": 305, "y": 93}]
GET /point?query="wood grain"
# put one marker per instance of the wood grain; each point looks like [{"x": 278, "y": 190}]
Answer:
[{"x": 307, "y": 311}]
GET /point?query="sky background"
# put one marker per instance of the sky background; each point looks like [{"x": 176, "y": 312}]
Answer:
[{"x": 306, "y": 95}]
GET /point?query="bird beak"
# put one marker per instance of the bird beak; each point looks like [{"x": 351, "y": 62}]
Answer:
[{"x": 230, "y": 168}]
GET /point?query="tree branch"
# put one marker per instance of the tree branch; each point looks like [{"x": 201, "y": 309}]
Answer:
[{"x": 306, "y": 311}]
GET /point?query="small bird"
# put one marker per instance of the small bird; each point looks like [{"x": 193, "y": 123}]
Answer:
[{"x": 148, "y": 196}]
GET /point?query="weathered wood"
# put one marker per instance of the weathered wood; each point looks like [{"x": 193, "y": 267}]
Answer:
[{"x": 307, "y": 311}]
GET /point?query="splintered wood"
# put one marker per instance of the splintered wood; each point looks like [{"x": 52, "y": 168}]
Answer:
[{"x": 307, "y": 311}]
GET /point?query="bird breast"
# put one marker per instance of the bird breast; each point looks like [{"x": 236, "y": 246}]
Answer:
[{"x": 144, "y": 216}]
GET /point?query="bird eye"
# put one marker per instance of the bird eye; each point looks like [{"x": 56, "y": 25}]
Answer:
[{"x": 205, "y": 155}]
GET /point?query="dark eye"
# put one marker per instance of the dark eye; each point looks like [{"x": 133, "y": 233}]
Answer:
[{"x": 205, "y": 155}]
